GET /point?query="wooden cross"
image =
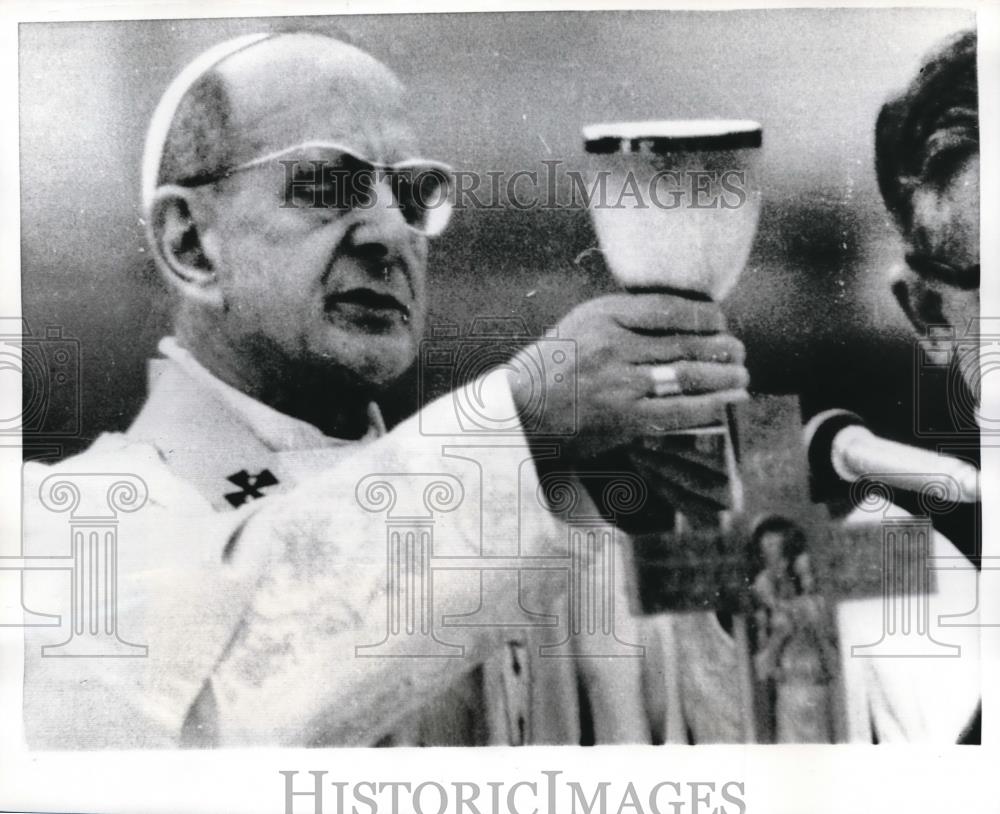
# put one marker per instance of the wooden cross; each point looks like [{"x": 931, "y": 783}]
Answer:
[{"x": 772, "y": 574}]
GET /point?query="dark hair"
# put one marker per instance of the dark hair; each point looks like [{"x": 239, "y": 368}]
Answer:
[
  {"x": 197, "y": 147},
  {"x": 923, "y": 132}
]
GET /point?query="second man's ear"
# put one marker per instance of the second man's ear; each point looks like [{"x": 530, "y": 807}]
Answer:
[
  {"x": 179, "y": 242},
  {"x": 920, "y": 302}
]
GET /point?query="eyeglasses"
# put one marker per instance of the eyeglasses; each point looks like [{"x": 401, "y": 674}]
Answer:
[{"x": 334, "y": 179}]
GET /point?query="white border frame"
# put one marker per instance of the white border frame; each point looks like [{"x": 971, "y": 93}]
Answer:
[{"x": 778, "y": 779}]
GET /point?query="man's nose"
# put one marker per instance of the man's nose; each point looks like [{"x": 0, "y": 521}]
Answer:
[{"x": 380, "y": 230}]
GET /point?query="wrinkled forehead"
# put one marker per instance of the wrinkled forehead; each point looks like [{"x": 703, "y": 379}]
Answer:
[{"x": 306, "y": 88}]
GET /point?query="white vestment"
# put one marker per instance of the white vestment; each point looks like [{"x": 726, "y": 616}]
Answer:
[
  {"x": 253, "y": 618},
  {"x": 273, "y": 611}
]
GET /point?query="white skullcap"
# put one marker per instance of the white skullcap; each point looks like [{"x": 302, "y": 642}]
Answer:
[{"x": 163, "y": 116}]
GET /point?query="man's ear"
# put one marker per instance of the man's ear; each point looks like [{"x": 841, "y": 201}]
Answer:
[
  {"x": 920, "y": 302},
  {"x": 179, "y": 241},
  {"x": 923, "y": 307}
]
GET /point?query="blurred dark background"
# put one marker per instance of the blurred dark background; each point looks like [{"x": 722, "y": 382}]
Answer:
[{"x": 502, "y": 92}]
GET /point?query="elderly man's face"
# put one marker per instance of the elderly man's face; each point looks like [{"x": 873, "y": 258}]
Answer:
[
  {"x": 942, "y": 254},
  {"x": 306, "y": 283}
]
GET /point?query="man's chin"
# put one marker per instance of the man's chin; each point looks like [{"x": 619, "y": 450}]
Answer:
[{"x": 373, "y": 361}]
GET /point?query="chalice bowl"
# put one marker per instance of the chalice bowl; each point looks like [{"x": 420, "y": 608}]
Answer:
[
  {"x": 675, "y": 208},
  {"x": 679, "y": 202}
]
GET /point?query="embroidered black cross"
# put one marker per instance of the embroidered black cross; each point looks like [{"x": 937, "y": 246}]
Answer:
[{"x": 250, "y": 486}]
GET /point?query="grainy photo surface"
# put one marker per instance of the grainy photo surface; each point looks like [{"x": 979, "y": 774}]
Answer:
[{"x": 555, "y": 378}]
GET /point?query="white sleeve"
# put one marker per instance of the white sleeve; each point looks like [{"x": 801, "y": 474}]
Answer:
[
  {"x": 315, "y": 661},
  {"x": 928, "y": 698},
  {"x": 173, "y": 602}
]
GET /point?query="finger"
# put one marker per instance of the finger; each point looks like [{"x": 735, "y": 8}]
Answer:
[
  {"x": 695, "y": 377},
  {"x": 722, "y": 348},
  {"x": 659, "y": 415},
  {"x": 664, "y": 314}
]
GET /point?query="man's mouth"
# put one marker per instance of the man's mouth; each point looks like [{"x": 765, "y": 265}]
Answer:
[{"x": 367, "y": 303}]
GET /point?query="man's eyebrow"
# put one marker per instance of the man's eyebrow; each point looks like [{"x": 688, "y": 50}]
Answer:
[
  {"x": 301, "y": 172},
  {"x": 301, "y": 168},
  {"x": 944, "y": 151}
]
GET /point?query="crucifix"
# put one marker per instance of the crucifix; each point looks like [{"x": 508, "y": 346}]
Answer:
[{"x": 771, "y": 575}]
